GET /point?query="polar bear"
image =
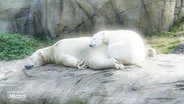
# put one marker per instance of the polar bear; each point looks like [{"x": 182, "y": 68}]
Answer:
[
  {"x": 125, "y": 46},
  {"x": 74, "y": 52}
]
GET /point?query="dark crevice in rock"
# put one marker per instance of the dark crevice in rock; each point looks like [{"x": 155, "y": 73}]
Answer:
[
  {"x": 118, "y": 17},
  {"x": 147, "y": 13},
  {"x": 80, "y": 24},
  {"x": 45, "y": 28},
  {"x": 78, "y": 81},
  {"x": 88, "y": 16},
  {"x": 161, "y": 99},
  {"x": 5, "y": 19},
  {"x": 121, "y": 12},
  {"x": 14, "y": 24},
  {"x": 162, "y": 14}
]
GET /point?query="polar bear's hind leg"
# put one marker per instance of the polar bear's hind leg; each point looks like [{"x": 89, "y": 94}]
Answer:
[
  {"x": 117, "y": 64},
  {"x": 71, "y": 61},
  {"x": 105, "y": 63}
]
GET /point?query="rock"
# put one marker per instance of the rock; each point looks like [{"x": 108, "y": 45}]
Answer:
[
  {"x": 150, "y": 52},
  {"x": 160, "y": 80},
  {"x": 176, "y": 18},
  {"x": 177, "y": 11},
  {"x": 71, "y": 18},
  {"x": 18, "y": 17},
  {"x": 11, "y": 66},
  {"x": 179, "y": 49},
  {"x": 178, "y": 3},
  {"x": 182, "y": 3},
  {"x": 181, "y": 12}
]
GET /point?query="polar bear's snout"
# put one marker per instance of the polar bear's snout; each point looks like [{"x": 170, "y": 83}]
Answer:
[
  {"x": 92, "y": 45},
  {"x": 97, "y": 40},
  {"x": 29, "y": 66}
]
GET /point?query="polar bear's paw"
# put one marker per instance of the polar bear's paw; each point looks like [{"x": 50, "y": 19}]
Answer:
[
  {"x": 82, "y": 65},
  {"x": 118, "y": 65}
]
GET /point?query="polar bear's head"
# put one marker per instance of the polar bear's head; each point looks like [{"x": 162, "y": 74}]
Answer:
[
  {"x": 99, "y": 38},
  {"x": 35, "y": 60}
]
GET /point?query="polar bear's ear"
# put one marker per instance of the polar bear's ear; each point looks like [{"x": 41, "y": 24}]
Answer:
[
  {"x": 41, "y": 54},
  {"x": 105, "y": 37}
]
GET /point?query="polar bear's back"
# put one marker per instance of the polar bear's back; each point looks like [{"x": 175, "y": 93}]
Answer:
[
  {"x": 127, "y": 46},
  {"x": 126, "y": 36},
  {"x": 77, "y": 47}
]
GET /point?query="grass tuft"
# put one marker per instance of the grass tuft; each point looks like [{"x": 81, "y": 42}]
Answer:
[{"x": 165, "y": 42}]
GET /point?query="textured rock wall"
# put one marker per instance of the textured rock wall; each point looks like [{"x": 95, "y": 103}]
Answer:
[
  {"x": 20, "y": 16},
  {"x": 10, "y": 13},
  {"x": 179, "y": 9},
  {"x": 69, "y": 18}
]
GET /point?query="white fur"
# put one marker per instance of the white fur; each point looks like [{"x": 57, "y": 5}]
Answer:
[
  {"x": 73, "y": 53},
  {"x": 125, "y": 46}
]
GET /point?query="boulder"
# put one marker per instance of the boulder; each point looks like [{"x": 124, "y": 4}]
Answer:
[
  {"x": 159, "y": 80},
  {"x": 71, "y": 18},
  {"x": 14, "y": 16},
  {"x": 179, "y": 49}
]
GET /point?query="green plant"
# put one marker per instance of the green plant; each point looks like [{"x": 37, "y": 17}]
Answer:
[
  {"x": 15, "y": 46},
  {"x": 162, "y": 44},
  {"x": 165, "y": 42}
]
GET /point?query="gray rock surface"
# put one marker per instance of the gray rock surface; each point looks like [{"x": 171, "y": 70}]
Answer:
[
  {"x": 179, "y": 9},
  {"x": 179, "y": 49},
  {"x": 69, "y": 18},
  {"x": 160, "y": 80}
]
